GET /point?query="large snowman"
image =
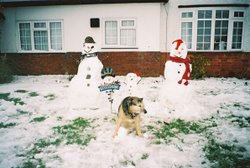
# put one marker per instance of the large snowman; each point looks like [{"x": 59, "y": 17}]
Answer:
[
  {"x": 83, "y": 89},
  {"x": 175, "y": 91}
]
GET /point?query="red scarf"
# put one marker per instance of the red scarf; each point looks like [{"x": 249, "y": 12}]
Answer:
[{"x": 186, "y": 61}]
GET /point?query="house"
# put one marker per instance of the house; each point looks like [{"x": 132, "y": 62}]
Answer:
[{"x": 46, "y": 37}]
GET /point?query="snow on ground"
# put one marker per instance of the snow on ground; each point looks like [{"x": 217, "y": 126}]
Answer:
[{"x": 32, "y": 106}]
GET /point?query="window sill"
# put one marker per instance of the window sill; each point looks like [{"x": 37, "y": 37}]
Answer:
[{"x": 119, "y": 48}]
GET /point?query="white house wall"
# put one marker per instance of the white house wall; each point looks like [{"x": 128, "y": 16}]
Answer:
[
  {"x": 174, "y": 16},
  {"x": 76, "y": 24}
]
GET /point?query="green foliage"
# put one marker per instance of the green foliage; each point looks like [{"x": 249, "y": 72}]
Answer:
[
  {"x": 2, "y": 125},
  {"x": 242, "y": 121},
  {"x": 38, "y": 119},
  {"x": 224, "y": 155},
  {"x": 199, "y": 64},
  {"x": 178, "y": 126},
  {"x": 72, "y": 133},
  {"x": 50, "y": 96},
  {"x": 6, "y": 97},
  {"x": 144, "y": 156},
  {"x": 21, "y": 91},
  {"x": 6, "y": 74},
  {"x": 33, "y": 163},
  {"x": 33, "y": 94},
  {"x": 75, "y": 132}
]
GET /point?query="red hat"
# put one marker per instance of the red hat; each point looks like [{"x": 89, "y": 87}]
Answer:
[{"x": 179, "y": 42}]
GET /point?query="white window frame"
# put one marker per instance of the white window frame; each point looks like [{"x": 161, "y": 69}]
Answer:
[
  {"x": 188, "y": 20},
  {"x": 119, "y": 28},
  {"x": 231, "y": 20},
  {"x": 32, "y": 29}
]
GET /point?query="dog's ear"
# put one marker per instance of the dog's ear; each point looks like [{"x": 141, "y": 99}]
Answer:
[{"x": 126, "y": 103}]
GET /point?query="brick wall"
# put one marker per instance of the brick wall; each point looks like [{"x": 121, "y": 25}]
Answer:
[{"x": 222, "y": 64}]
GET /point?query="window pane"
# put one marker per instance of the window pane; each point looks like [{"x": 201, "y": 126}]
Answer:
[
  {"x": 128, "y": 37},
  {"x": 204, "y": 14},
  {"x": 222, "y": 14},
  {"x": 237, "y": 35},
  {"x": 56, "y": 35},
  {"x": 111, "y": 33},
  {"x": 186, "y": 33},
  {"x": 41, "y": 40},
  {"x": 220, "y": 38},
  {"x": 25, "y": 36},
  {"x": 203, "y": 35},
  {"x": 40, "y": 25},
  {"x": 128, "y": 23},
  {"x": 186, "y": 14}
]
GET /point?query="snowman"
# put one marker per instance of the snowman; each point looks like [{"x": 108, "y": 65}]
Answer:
[
  {"x": 132, "y": 80},
  {"x": 175, "y": 91},
  {"x": 83, "y": 89}
]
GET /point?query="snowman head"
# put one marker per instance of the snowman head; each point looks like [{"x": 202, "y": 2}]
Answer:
[
  {"x": 89, "y": 45},
  {"x": 108, "y": 75},
  {"x": 132, "y": 78},
  {"x": 178, "y": 49}
]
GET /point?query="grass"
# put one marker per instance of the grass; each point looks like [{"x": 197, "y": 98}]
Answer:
[
  {"x": 72, "y": 133},
  {"x": 144, "y": 156},
  {"x": 21, "y": 91},
  {"x": 33, "y": 94},
  {"x": 75, "y": 132},
  {"x": 174, "y": 128},
  {"x": 224, "y": 155},
  {"x": 241, "y": 121},
  {"x": 8, "y": 125},
  {"x": 38, "y": 119},
  {"x": 50, "y": 96},
  {"x": 6, "y": 97}
]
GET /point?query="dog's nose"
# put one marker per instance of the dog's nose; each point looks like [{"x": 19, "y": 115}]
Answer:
[{"x": 145, "y": 111}]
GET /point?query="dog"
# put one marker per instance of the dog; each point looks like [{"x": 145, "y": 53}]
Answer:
[{"x": 129, "y": 114}]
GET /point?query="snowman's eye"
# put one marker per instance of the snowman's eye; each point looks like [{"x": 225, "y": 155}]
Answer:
[{"x": 178, "y": 72}]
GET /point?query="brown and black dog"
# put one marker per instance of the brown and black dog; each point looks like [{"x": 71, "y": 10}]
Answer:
[{"x": 129, "y": 114}]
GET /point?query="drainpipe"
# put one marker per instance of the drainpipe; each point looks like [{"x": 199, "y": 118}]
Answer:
[{"x": 165, "y": 4}]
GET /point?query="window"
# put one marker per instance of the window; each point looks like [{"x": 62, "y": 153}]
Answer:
[
  {"x": 213, "y": 29},
  {"x": 40, "y": 36},
  {"x": 120, "y": 33},
  {"x": 187, "y": 28},
  {"x": 237, "y": 35},
  {"x": 186, "y": 33},
  {"x": 221, "y": 30},
  {"x": 204, "y": 30}
]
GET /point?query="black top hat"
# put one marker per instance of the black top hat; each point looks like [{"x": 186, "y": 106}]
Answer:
[
  {"x": 107, "y": 72},
  {"x": 89, "y": 39}
]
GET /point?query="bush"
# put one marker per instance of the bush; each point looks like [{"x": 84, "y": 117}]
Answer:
[
  {"x": 199, "y": 64},
  {"x": 5, "y": 71}
]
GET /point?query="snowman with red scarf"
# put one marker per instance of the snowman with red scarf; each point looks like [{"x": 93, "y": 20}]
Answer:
[{"x": 175, "y": 91}]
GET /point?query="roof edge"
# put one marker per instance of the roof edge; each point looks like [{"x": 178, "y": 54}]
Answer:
[{"x": 73, "y": 2}]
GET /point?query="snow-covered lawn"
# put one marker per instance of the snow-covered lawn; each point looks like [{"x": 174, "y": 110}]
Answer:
[{"x": 38, "y": 129}]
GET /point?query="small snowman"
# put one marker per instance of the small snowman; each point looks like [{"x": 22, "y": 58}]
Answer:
[
  {"x": 132, "y": 80},
  {"x": 84, "y": 92},
  {"x": 175, "y": 91}
]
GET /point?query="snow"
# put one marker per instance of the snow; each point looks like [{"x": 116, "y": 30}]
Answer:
[{"x": 47, "y": 96}]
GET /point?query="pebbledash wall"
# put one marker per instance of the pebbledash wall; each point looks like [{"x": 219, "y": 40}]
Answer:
[{"x": 157, "y": 25}]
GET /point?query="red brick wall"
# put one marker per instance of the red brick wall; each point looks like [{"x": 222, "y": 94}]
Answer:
[
  {"x": 227, "y": 64},
  {"x": 222, "y": 64}
]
